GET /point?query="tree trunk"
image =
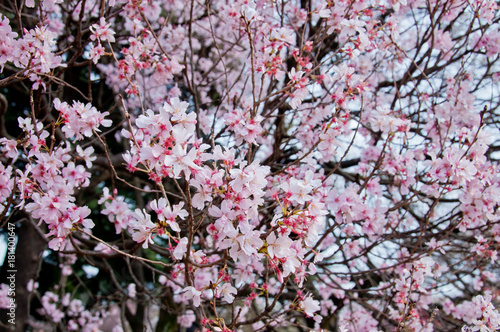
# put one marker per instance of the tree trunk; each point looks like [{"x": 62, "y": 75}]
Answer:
[{"x": 29, "y": 249}]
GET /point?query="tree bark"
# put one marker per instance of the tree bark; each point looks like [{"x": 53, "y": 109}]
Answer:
[{"x": 29, "y": 248}]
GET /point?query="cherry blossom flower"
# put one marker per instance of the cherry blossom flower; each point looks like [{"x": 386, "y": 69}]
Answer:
[
  {"x": 181, "y": 248},
  {"x": 227, "y": 291},
  {"x": 187, "y": 319},
  {"x": 142, "y": 227},
  {"x": 192, "y": 293},
  {"x": 310, "y": 306},
  {"x": 279, "y": 247},
  {"x": 102, "y": 31}
]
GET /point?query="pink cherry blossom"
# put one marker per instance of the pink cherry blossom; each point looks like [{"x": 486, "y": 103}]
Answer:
[
  {"x": 102, "y": 31},
  {"x": 310, "y": 306}
]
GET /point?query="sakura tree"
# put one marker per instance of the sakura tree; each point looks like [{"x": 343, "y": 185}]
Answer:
[{"x": 251, "y": 165}]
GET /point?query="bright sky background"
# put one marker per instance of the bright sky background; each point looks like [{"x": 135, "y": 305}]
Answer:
[{"x": 3, "y": 249}]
